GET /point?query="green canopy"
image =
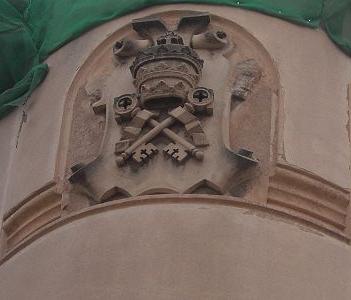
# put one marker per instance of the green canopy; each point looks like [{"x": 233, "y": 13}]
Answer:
[{"x": 30, "y": 30}]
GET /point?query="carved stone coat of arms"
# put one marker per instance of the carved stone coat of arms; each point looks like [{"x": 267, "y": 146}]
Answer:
[{"x": 174, "y": 103}]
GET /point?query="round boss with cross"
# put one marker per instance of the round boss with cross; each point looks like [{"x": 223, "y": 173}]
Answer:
[
  {"x": 124, "y": 105},
  {"x": 201, "y": 99}
]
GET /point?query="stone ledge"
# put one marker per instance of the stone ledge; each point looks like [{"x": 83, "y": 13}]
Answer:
[
  {"x": 34, "y": 214},
  {"x": 307, "y": 196},
  {"x": 293, "y": 193},
  {"x": 52, "y": 221}
]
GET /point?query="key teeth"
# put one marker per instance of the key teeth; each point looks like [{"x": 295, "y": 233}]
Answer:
[
  {"x": 144, "y": 153},
  {"x": 176, "y": 152}
]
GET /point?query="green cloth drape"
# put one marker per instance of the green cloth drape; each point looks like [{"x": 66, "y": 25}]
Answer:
[{"x": 32, "y": 29}]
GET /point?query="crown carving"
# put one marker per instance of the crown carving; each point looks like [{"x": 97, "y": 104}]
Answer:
[{"x": 166, "y": 72}]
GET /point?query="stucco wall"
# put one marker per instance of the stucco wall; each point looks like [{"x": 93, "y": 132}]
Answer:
[
  {"x": 196, "y": 250},
  {"x": 179, "y": 251},
  {"x": 314, "y": 75}
]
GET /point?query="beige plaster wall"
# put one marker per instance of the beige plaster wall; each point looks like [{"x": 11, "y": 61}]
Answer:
[
  {"x": 9, "y": 130},
  {"x": 187, "y": 251},
  {"x": 314, "y": 77},
  {"x": 179, "y": 251}
]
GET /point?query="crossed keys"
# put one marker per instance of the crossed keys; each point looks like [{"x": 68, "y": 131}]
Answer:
[{"x": 141, "y": 149}]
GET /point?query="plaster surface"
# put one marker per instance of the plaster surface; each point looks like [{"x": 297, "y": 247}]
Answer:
[
  {"x": 188, "y": 250},
  {"x": 179, "y": 251},
  {"x": 9, "y": 129},
  {"x": 314, "y": 76}
]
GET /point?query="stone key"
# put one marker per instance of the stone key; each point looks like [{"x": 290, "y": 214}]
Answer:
[
  {"x": 176, "y": 152},
  {"x": 158, "y": 128},
  {"x": 179, "y": 140},
  {"x": 144, "y": 140},
  {"x": 144, "y": 152}
]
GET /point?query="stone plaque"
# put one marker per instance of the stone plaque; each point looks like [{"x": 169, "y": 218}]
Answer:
[{"x": 180, "y": 102}]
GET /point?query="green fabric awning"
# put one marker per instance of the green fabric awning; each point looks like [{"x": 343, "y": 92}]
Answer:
[{"x": 30, "y": 30}]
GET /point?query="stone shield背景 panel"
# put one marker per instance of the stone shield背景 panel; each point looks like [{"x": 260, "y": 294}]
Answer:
[{"x": 177, "y": 103}]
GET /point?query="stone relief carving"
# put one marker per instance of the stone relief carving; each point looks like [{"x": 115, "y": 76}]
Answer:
[
  {"x": 211, "y": 111},
  {"x": 176, "y": 86},
  {"x": 166, "y": 73}
]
